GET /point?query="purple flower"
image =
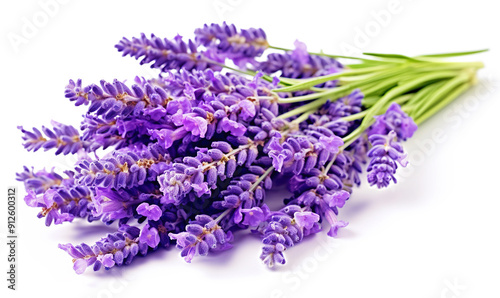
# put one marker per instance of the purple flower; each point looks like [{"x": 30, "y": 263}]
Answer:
[
  {"x": 396, "y": 120},
  {"x": 235, "y": 128},
  {"x": 51, "y": 204},
  {"x": 332, "y": 143},
  {"x": 124, "y": 168},
  {"x": 150, "y": 236},
  {"x": 328, "y": 116},
  {"x": 155, "y": 114},
  {"x": 300, "y": 53},
  {"x": 32, "y": 199},
  {"x": 385, "y": 154},
  {"x": 225, "y": 41},
  {"x": 299, "y": 64},
  {"x": 166, "y": 137},
  {"x": 306, "y": 219},
  {"x": 284, "y": 229},
  {"x": 116, "y": 249},
  {"x": 42, "y": 180},
  {"x": 302, "y": 151},
  {"x": 174, "y": 186},
  {"x": 191, "y": 122},
  {"x": 104, "y": 205},
  {"x": 253, "y": 217},
  {"x": 193, "y": 152},
  {"x": 113, "y": 204},
  {"x": 63, "y": 200},
  {"x": 80, "y": 266},
  {"x": 276, "y": 152},
  {"x": 64, "y": 138},
  {"x": 109, "y": 100},
  {"x": 247, "y": 110},
  {"x": 336, "y": 199},
  {"x": 201, "y": 189},
  {"x": 335, "y": 224},
  {"x": 106, "y": 260},
  {"x": 75, "y": 92},
  {"x": 152, "y": 212},
  {"x": 196, "y": 125},
  {"x": 201, "y": 236},
  {"x": 166, "y": 53}
]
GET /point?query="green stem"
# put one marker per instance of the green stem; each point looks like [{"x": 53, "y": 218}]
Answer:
[
  {"x": 401, "y": 89},
  {"x": 349, "y": 139},
  {"x": 444, "y": 102},
  {"x": 368, "y": 118},
  {"x": 328, "y": 55},
  {"x": 346, "y": 89},
  {"x": 279, "y": 49},
  {"x": 330, "y": 164},
  {"x": 303, "y": 117},
  {"x": 400, "y": 100},
  {"x": 261, "y": 178},
  {"x": 422, "y": 85},
  {"x": 441, "y": 91},
  {"x": 422, "y": 94},
  {"x": 308, "y": 83},
  {"x": 454, "y": 54},
  {"x": 312, "y": 106}
]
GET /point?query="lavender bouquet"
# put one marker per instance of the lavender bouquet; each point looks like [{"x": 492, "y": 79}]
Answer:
[{"x": 186, "y": 158}]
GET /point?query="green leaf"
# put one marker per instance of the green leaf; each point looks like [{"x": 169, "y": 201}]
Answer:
[
  {"x": 455, "y": 54},
  {"x": 308, "y": 83},
  {"x": 392, "y": 56}
]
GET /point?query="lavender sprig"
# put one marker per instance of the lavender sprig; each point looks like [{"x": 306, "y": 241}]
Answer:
[
  {"x": 64, "y": 138},
  {"x": 187, "y": 158},
  {"x": 226, "y": 41},
  {"x": 167, "y": 54}
]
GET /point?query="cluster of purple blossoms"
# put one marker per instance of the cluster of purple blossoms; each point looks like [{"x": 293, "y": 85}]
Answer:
[
  {"x": 387, "y": 152},
  {"x": 64, "y": 138},
  {"x": 226, "y": 41},
  {"x": 115, "y": 249},
  {"x": 60, "y": 198},
  {"x": 186, "y": 159},
  {"x": 213, "y": 44},
  {"x": 284, "y": 229},
  {"x": 299, "y": 64},
  {"x": 201, "y": 236}
]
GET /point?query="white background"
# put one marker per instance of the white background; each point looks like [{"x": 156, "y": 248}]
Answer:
[{"x": 434, "y": 234}]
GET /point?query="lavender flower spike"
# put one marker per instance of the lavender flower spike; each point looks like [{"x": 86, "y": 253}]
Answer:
[
  {"x": 50, "y": 203},
  {"x": 299, "y": 64},
  {"x": 42, "y": 180},
  {"x": 226, "y": 41},
  {"x": 201, "y": 236},
  {"x": 166, "y": 54},
  {"x": 284, "y": 229},
  {"x": 115, "y": 249},
  {"x": 394, "y": 119},
  {"x": 64, "y": 138},
  {"x": 385, "y": 154},
  {"x": 188, "y": 157}
]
